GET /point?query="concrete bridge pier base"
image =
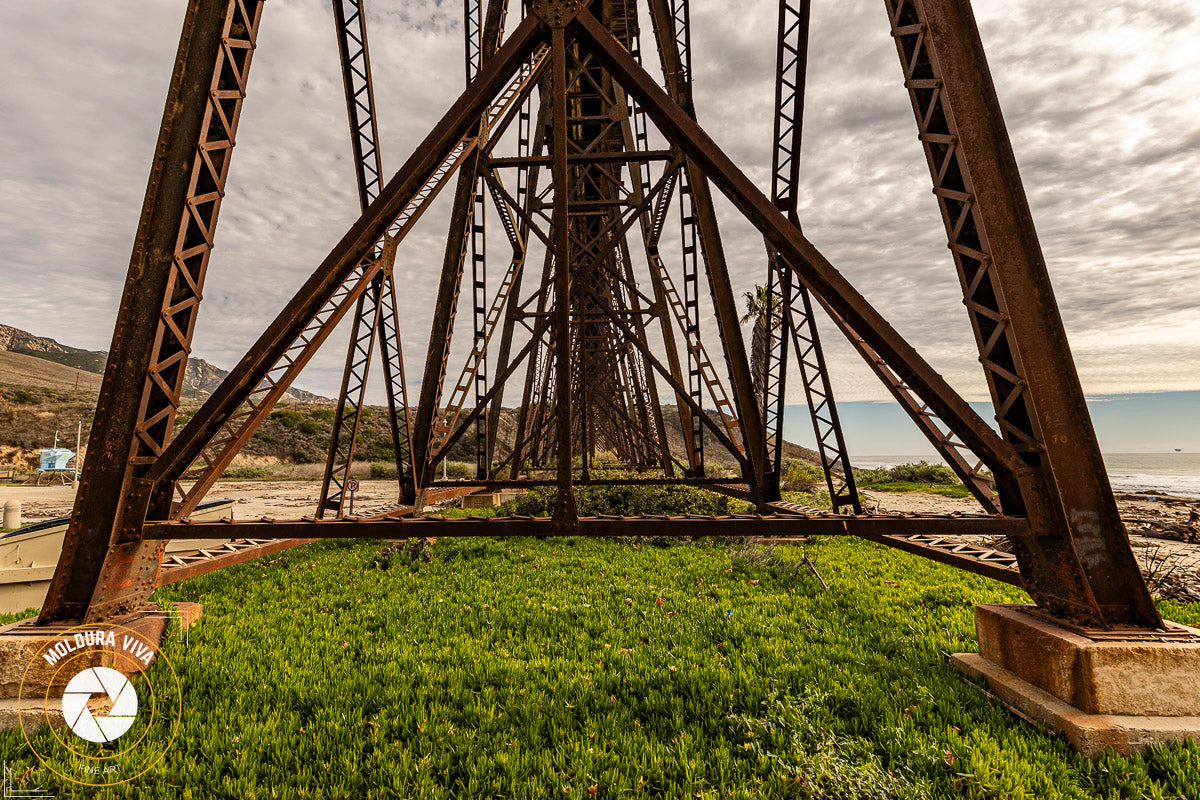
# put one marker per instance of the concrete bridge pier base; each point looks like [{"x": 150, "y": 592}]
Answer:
[{"x": 1099, "y": 689}]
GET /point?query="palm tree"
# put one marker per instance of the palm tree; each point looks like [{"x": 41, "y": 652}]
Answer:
[{"x": 761, "y": 306}]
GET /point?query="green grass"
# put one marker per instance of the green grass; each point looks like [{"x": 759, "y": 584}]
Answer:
[
  {"x": 7, "y": 618},
  {"x": 529, "y": 668},
  {"x": 944, "y": 489}
]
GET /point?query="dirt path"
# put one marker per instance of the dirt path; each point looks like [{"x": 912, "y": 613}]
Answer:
[
  {"x": 253, "y": 499},
  {"x": 292, "y": 499},
  {"x": 877, "y": 502}
]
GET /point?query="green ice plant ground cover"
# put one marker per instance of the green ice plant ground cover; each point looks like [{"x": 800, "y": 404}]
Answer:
[{"x": 590, "y": 668}]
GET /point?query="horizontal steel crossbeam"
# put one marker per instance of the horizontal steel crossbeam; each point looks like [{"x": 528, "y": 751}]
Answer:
[{"x": 825, "y": 524}]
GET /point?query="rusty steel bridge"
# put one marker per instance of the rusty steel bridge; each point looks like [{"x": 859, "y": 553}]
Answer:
[{"x": 577, "y": 135}]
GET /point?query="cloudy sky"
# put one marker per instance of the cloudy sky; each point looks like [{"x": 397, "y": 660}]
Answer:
[{"x": 1100, "y": 99}]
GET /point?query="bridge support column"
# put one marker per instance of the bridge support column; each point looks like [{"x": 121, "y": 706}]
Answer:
[{"x": 1119, "y": 689}]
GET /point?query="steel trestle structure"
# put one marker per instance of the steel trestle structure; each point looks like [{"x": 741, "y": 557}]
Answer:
[{"x": 602, "y": 183}]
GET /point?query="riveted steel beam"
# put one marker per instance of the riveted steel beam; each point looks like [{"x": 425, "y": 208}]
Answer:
[
  {"x": 104, "y": 567},
  {"x": 1077, "y": 560}
]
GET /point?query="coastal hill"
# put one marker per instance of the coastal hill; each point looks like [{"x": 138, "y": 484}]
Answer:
[
  {"x": 200, "y": 379},
  {"x": 47, "y": 387}
]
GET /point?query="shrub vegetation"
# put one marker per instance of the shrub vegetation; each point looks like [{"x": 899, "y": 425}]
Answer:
[
  {"x": 627, "y": 500},
  {"x": 248, "y": 473},
  {"x": 919, "y": 477},
  {"x": 382, "y": 470},
  {"x": 287, "y": 417},
  {"x": 801, "y": 475}
]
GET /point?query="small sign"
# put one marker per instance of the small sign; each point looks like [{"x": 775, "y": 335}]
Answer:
[{"x": 352, "y": 485}]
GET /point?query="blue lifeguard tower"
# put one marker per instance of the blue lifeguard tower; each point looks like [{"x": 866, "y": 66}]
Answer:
[{"x": 55, "y": 463}]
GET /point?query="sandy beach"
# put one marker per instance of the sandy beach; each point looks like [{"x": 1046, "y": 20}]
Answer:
[
  {"x": 1172, "y": 563},
  {"x": 291, "y": 499}
]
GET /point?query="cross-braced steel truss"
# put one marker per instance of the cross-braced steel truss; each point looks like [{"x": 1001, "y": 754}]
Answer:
[{"x": 601, "y": 181}]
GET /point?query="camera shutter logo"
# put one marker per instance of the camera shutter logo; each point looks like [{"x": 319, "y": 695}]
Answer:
[{"x": 100, "y": 681}]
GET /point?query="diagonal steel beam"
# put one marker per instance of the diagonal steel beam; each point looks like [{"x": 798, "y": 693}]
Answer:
[
  {"x": 452, "y": 437},
  {"x": 695, "y": 407},
  {"x": 219, "y": 452},
  {"x": 792, "y": 313},
  {"x": 438, "y": 155},
  {"x": 809, "y": 265},
  {"x": 1078, "y": 560},
  {"x": 672, "y": 32},
  {"x": 461, "y": 237},
  {"x": 103, "y": 568},
  {"x": 370, "y": 321}
]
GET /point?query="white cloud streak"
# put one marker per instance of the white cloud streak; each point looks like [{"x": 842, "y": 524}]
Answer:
[{"x": 1100, "y": 102}]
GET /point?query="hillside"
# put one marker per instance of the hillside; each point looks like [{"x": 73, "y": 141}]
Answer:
[
  {"x": 294, "y": 433},
  {"x": 23, "y": 369},
  {"x": 48, "y": 387},
  {"x": 200, "y": 379}
]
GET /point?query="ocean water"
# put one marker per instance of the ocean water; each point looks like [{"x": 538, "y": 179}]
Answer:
[{"x": 1170, "y": 473}]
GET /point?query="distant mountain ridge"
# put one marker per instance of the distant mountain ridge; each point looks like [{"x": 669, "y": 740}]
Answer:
[{"x": 200, "y": 379}]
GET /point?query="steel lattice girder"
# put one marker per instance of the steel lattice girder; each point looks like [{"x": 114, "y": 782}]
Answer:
[
  {"x": 1073, "y": 553},
  {"x": 103, "y": 555}
]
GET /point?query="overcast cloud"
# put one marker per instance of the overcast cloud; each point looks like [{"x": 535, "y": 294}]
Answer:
[{"x": 1100, "y": 100}]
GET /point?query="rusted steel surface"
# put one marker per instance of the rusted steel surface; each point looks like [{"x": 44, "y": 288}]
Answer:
[
  {"x": 649, "y": 525},
  {"x": 371, "y": 318},
  {"x": 351, "y": 398},
  {"x": 390, "y": 355},
  {"x": 104, "y": 567},
  {"x": 809, "y": 265},
  {"x": 980, "y": 559},
  {"x": 942, "y": 547},
  {"x": 799, "y": 322},
  {"x": 671, "y": 28},
  {"x": 399, "y": 205},
  {"x": 582, "y": 177},
  {"x": 181, "y": 566},
  {"x": 827, "y": 283},
  {"x": 471, "y": 376},
  {"x": 796, "y": 310},
  {"x": 565, "y": 512},
  {"x": 789, "y": 309},
  {"x": 219, "y": 452},
  {"x": 970, "y": 471},
  {"x": 1078, "y": 554},
  {"x": 468, "y": 201}
]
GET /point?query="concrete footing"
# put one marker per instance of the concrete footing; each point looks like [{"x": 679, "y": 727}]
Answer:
[
  {"x": 1099, "y": 689},
  {"x": 31, "y": 687}
]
